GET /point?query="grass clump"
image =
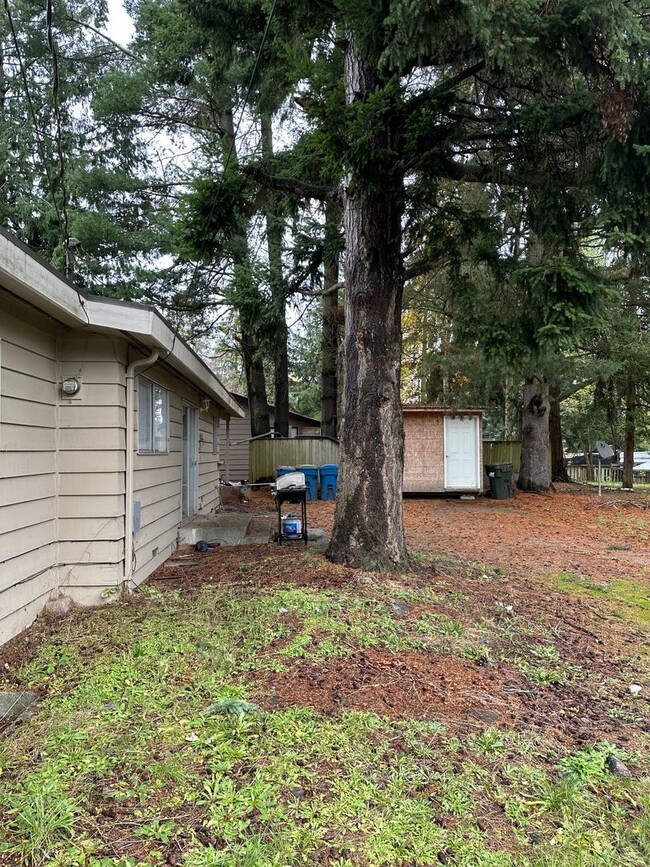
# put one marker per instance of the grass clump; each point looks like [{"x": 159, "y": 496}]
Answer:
[{"x": 155, "y": 740}]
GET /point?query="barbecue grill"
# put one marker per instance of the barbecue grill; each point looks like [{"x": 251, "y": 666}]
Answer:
[{"x": 291, "y": 488}]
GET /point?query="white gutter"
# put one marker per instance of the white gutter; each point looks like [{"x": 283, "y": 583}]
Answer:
[
  {"x": 148, "y": 326},
  {"x": 134, "y": 368}
]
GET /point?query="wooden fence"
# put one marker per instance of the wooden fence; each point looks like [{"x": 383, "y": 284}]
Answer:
[
  {"x": 610, "y": 475},
  {"x": 502, "y": 452},
  {"x": 266, "y": 455}
]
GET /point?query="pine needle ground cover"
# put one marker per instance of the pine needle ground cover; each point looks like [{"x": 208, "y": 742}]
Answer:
[{"x": 259, "y": 706}]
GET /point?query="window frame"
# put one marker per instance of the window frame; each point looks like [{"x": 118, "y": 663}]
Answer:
[
  {"x": 216, "y": 428},
  {"x": 152, "y": 447}
]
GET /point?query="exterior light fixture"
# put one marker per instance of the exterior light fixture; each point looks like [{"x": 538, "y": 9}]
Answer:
[
  {"x": 206, "y": 404},
  {"x": 70, "y": 387}
]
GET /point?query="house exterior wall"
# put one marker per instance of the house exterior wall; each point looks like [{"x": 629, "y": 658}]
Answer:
[
  {"x": 28, "y": 466},
  {"x": 63, "y": 467},
  {"x": 158, "y": 477},
  {"x": 239, "y": 436},
  {"x": 239, "y": 429},
  {"x": 91, "y": 482}
]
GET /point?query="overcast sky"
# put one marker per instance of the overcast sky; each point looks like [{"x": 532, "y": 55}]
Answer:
[{"x": 120, "y": 27}]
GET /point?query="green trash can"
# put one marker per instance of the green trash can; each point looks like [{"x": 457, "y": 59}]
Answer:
[{"x": 500, "y": 478}]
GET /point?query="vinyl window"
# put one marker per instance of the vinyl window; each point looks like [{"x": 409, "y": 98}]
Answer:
[{"x": 153, "y": 417}]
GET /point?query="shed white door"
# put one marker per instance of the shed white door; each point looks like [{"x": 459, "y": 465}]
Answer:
[
  {"x": 190, "y": 459},
  {"x": 462, "y": 453}
]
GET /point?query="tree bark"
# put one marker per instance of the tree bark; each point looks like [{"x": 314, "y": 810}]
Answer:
[
  {"x": 248, "y": 309},
  {"x": 368, "y": 529},
  {"x": 330, "y": 326},
  {"x": 630, "y": 431},
  {"x": 280, "y": 338},
  {"x": 256, "y": 384},
  {"x": 558, "y": 469},
  {"x": 534, "y": 473}
]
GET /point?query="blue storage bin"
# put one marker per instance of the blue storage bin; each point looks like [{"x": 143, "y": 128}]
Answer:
[
  {"x": 311, "y": 479},
  {"x": 329, "y": 478},
  {"x": 282, "y": 471}
]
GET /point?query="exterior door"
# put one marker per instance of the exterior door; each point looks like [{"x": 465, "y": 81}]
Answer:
[
  {"x": 190, "y": 460},
  {"x": 462, "y": 453}
]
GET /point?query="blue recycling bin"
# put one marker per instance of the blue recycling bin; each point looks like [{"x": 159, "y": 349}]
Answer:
[
  {"x": 329, "y": 477},
  {"x": 311, "y": 479},
  {"x": 282, "y": 471}
]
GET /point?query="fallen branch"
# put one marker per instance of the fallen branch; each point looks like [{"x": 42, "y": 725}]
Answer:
[{"x": 629, "y": 504}]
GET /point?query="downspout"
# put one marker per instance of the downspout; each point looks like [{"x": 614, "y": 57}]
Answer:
[{"x": 131, "y": 371}]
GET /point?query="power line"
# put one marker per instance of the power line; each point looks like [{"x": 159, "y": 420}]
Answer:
[
  {"x": 32, "y": 110},
  {"x": 59, "y": 145}
]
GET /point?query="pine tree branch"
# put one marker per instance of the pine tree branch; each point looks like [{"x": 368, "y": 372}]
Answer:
[
  {"x": 103, "y": 36},
  {"x": 574, "y": 389},
  {"x": 293, "y": 186}
]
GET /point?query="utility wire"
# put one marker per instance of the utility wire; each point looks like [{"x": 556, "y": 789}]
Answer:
[
  {"x": 69, "y": 255},
  {"x": 59, "y": 144},
  {"x": 32, "y": 111}
]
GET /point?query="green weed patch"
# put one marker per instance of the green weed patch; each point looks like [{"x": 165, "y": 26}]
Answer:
[
  {"x": 627, "y": 599},
  {"x": 155, "y": 743}
]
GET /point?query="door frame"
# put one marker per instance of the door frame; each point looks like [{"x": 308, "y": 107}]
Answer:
[
  {"x": 189, "y": 461},
  {"x": 478, "y": 475}
]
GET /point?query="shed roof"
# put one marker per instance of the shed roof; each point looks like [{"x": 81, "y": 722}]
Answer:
[{"x": 36, "y": 282}]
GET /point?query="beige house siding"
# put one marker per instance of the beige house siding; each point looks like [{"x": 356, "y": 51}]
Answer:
[
  {"x": 92, "y": 436},
  {"x": 240, "y": 429},
  {"x": 63, "y": 469},
  {"x": 158, "y": 477},
  {"x": 28, "y": 466},
  {"x": 65, "y": 461}
]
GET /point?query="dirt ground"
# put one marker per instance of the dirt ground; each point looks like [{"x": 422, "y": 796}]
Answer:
[
  {"x": 527, "y": 618},
  {"x": 572, "y": 530},
  {"x": 523, "y": 544}
]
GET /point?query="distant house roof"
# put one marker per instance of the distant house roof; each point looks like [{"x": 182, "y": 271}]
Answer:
[
  {"x": 436, "y": 407},
  {"x": 34, "y": 281},
  {"x": 242, "y": 400}
]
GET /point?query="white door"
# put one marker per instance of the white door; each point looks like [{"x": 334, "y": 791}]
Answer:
[
  {"x": 462, "y": 453},
  {"x": 190, "y": 460}
]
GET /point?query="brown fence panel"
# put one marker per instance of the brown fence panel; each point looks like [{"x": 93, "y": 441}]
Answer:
[
  {"x": 502, "y": 452},
  {"x": 268, "y": 454}
]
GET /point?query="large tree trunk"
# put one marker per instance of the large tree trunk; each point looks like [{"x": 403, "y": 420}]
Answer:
[
  {"x": 256, "y": 384},
  {"x": 248, "y": 304},
  {"x": 274, "y": 234},
  {"x": 630, "y": 430},
  {"x": 534, "y": 473},
  {"x": 330, "y": 328},
  {"x": 368, "y": 530},
  {"x": 558, "y": 469}
]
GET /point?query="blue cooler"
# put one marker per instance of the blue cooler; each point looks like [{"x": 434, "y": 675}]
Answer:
[
  {"x": 329, "y": 478},
  {"x": 311, "y": 479},
  {"x": 283, "y": 471}
]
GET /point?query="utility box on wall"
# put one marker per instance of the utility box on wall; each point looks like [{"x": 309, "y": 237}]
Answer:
[{"x": 442, "y": 450}]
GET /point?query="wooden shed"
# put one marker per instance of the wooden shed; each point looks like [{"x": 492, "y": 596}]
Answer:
[{"x": 442, "y": 450}]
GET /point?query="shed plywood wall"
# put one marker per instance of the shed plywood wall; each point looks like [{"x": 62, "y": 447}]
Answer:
[
  {"x": 28, "y": 532},
  {"x": 424, "y": 436}
]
